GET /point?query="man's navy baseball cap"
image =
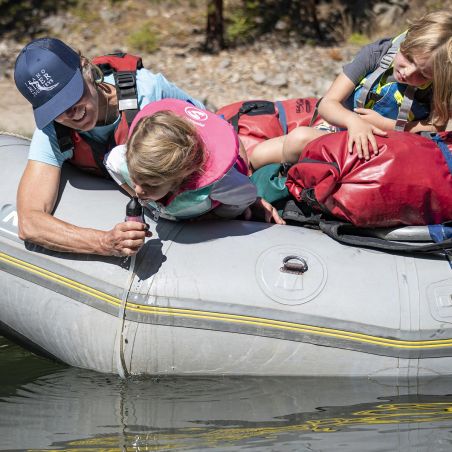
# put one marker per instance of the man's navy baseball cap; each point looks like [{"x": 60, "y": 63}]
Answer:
[{"x": 48, "y": 75}]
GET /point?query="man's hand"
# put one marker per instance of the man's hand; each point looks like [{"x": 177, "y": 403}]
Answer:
[{"x": 125, "y": 239}]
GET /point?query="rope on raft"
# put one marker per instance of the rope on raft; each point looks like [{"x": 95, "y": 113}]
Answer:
[{"x": 11, "y": 134}]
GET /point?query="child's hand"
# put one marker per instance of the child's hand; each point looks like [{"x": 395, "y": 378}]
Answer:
[
  {"x": 374, "y": 118},
  {"x": 360, "y": 134},
  {"x": 263, "y": 210}
]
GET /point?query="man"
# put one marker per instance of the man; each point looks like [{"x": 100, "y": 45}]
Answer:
[{"x": 65, "y": 89}]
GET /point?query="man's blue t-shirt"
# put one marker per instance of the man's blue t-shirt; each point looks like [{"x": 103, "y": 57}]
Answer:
[{"x": 150, "y": 88}]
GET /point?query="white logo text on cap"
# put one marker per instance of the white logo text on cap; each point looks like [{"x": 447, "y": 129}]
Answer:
[{"x": 41, "y": 81}]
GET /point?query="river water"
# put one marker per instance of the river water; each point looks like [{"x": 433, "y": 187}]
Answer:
[{"x": 49, "y": 406}]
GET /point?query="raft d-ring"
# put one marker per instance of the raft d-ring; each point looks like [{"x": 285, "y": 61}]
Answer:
[{"x": 295, "y": 265}]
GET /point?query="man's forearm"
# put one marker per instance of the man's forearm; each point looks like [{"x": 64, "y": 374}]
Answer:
[{"x": 50, "y": 232}]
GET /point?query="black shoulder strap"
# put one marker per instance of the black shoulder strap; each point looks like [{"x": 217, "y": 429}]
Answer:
[
  {"x": 126, "y": 84},
  {"x": 301, "y": 215},
  {"x": 126, "y": 89},
  {"x": 346, "y": 233},
  {"x": 64, "y": 137},
  {"x": 98, "y": 151}
]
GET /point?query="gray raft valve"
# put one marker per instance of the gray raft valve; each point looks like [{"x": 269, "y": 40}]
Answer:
[{"x": 295, "y": 265}]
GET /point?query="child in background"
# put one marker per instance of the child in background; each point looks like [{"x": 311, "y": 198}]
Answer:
[
  {"x": 421, "y": 70},
  {"x": 184, "y": 162}
]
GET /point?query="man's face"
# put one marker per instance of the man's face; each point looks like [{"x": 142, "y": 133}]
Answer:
[{"x": 83, "y": 115}]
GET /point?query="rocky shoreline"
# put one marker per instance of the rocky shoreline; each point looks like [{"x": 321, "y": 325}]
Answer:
[
  {"x": 263, "y": 70},
  {"x": 276, "y": 66}
]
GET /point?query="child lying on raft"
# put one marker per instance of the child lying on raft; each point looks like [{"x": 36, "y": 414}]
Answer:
[
  {"x": 184, "y": 163},
  {"x": 421, "y": 71}
]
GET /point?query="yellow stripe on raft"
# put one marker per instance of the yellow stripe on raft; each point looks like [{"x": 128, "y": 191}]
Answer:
[
  {"x": 223, "y": 317},
  {"x": 58, "y": 279}
]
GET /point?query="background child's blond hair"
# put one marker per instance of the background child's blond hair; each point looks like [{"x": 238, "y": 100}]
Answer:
[
  {"x": 432, "y": 35},
  {"x": 165, "y": 147}
]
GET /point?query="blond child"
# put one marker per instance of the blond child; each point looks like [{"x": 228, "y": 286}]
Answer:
[
  {"x": 420, "y": 71},
  {"x": 184, "y": 163}
]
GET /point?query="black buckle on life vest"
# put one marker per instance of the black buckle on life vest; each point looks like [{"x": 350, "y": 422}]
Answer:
[
  {"x": 126, "y": 80},
  {"x": 126, "y": 88}
]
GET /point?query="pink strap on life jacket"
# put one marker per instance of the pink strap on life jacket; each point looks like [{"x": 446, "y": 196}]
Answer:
[{"x": 220, "y": 140}]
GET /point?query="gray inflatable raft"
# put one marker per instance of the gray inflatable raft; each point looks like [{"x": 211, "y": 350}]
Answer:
[{"x": 216, "y": 298}]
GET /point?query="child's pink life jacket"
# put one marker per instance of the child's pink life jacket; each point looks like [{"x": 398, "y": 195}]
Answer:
[
  {"x": 408, "y": 183},
  {"x": 221, "y": 143}
]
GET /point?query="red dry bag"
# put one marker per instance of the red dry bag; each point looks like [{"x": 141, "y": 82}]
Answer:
[
  {"x": 259, "y": 120},
  {"x": 409, "y": 182}
]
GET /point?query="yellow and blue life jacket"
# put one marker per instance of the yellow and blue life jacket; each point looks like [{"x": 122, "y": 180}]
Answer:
[{"x": 389, "y": 98}]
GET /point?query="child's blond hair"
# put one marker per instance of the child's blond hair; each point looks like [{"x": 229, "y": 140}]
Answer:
[
  {"x": 164, "y": 147},
  {"x": 432, "y": 35}
]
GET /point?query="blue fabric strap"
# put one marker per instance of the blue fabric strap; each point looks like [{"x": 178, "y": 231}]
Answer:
[
  {"x": 439, "y": 232},
  {"x": 444, "y": 149},
  {"x": 282, "y": 116}
]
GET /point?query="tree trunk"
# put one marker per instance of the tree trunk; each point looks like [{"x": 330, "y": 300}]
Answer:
[
  {"x": 312, "y": 8},
  {"x": 215, "y": 26}
]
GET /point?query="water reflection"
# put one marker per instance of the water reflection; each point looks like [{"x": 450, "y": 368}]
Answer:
[{"x": 45, "y": 405}]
